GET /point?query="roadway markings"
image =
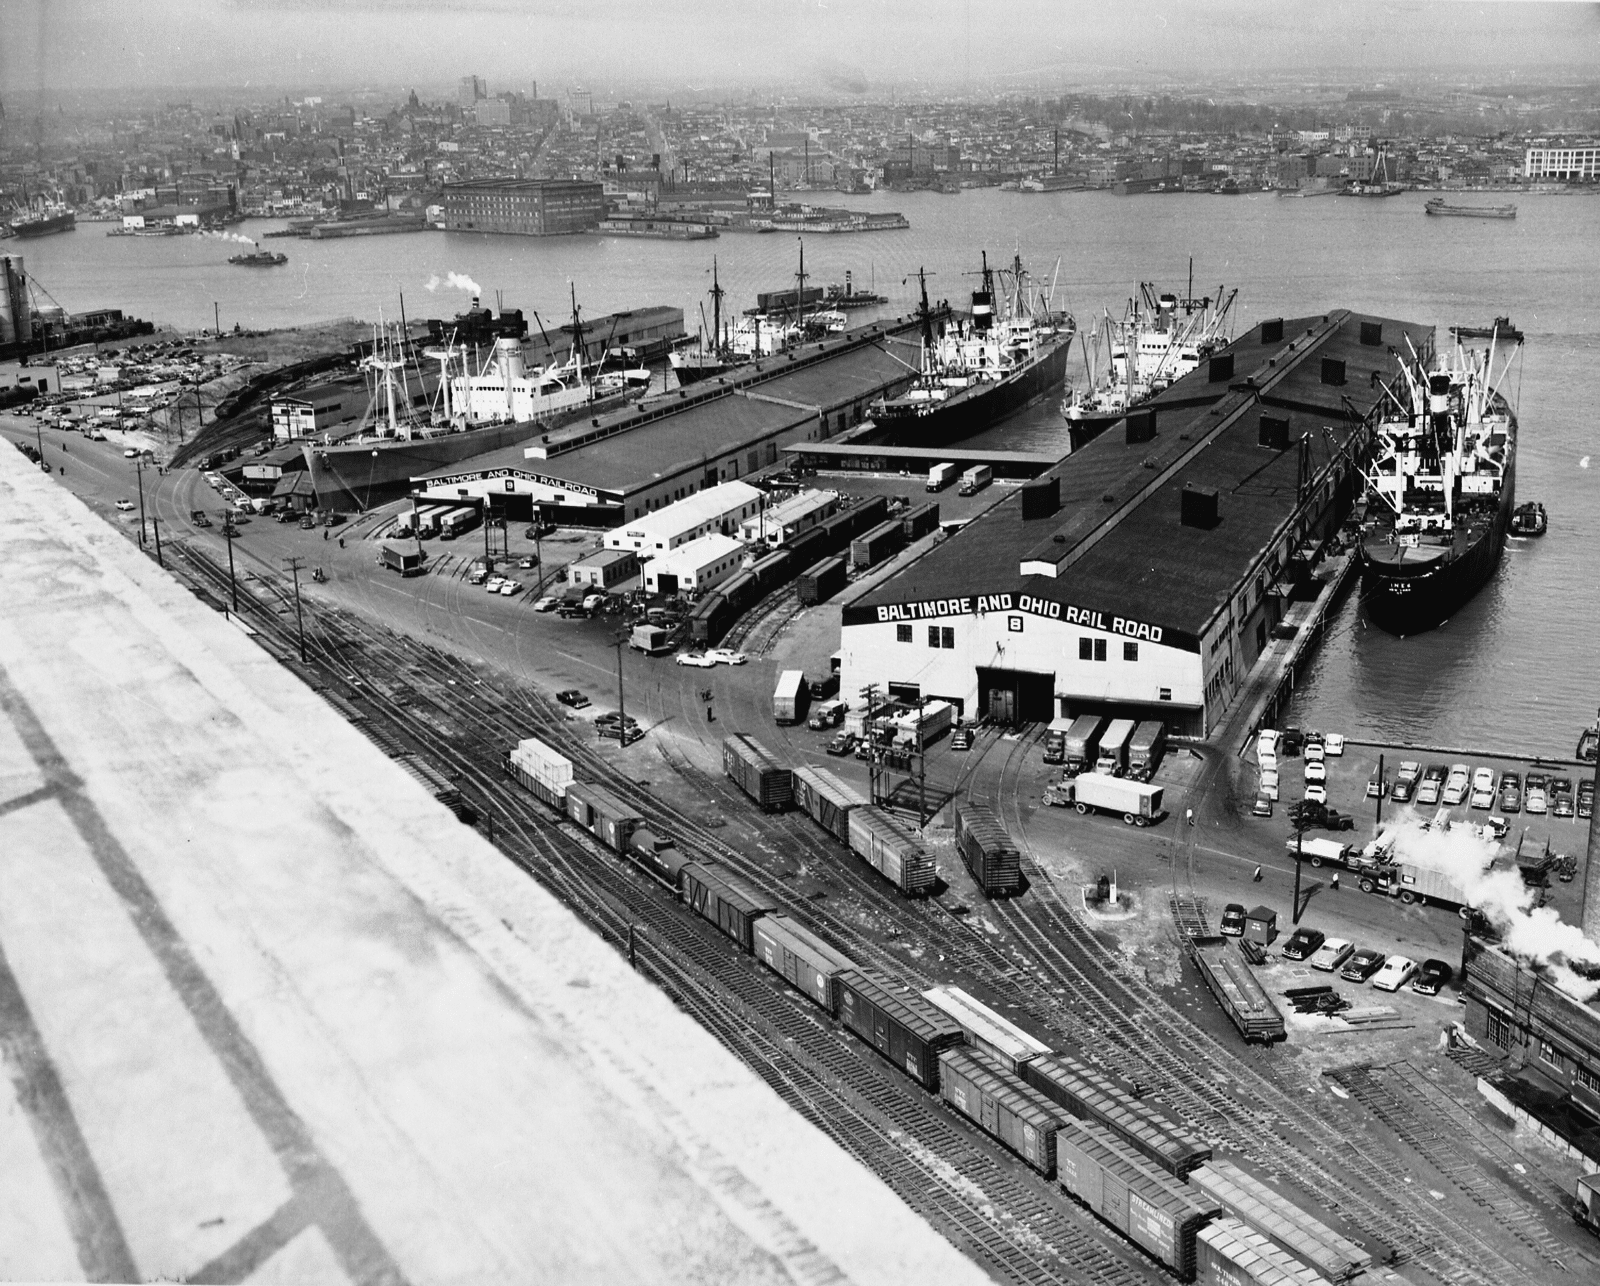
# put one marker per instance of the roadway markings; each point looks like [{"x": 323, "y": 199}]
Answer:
[{"x": 318, "y": 1189}]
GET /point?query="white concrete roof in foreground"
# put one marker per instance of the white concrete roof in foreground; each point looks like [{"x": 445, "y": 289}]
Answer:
[{"x": 269, "y": 1013}]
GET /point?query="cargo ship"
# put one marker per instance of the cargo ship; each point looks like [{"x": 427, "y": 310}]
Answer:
[
  {"x": 981, "y": 369},
  {"x": 1160, "y": 339},
  {"x": 43, "y": 221},
  {"x": 780, "y": 320},
  {"x": 1439, "y": 206},
  {"x": 499, "y": 404},
  {"x": 1441, "y": 487},
  {"x": 259, "y": 258}
]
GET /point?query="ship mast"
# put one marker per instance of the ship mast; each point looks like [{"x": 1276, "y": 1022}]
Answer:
[{"x": 716, "y": 309}]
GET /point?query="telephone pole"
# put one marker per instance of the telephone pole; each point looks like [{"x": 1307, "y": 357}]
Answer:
[
  {"x": 155, "y": 526},
  {"x": 138, "y": 468},
  {"x": 622, "y": 709},
  {"x": 228, "y": 530},
  {"x": 295, "y": 564}
]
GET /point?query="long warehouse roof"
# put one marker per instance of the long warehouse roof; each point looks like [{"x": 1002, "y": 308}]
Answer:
[{"x": 1117, "y": 545}]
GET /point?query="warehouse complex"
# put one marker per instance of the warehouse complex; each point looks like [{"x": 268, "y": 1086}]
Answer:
[
  {"x": 526, "y": 207},
  {"x": 623, "y": 466},
  {"x": 1143, "y": 574}
]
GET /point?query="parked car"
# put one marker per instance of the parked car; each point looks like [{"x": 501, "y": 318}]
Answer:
[
  {"x": 131, "y": 453},
  {"x": 1362, "y": 965},
  {"x": 1333, "y": 744},
  {"x": 124, "y": 505},
  {"x": 1586, "y": 797},
  {"x": 726, "y": 656},
  {"x": 528, "y": 563},
  {"x": 1561, "y": 801},
  {"x": 1456, "y": 785},
  {"x": 961, "y": 739},
  {"x": 593, "y": 602},
  {"x": 1316, "y": 792},
  {"x": 1314, "y": 752},
  {"x": 1267, "y": 742},
  {"x": 842, "y": 744},
  {"x": 1332, "y": 953},
  {"x": 571, "y": 612},
  {"x": 700, "y": 659},
  {"x": 1316, "y": 770},
  {"x": 492, "y": 584},
  {"x": 478, "y": 576},
  {"x": 1482, "y": 789},
  {"x": 1303, "y": 943},
  {"x": 1410, "y": 769},
  {"x": 572, "y": 697},
  {"x": 1402, "y": 790},
  {"x": 1496, "y": 826},
  {"x": 1431, "y": 785},
  {"x": 510, "y": 587},
  {"x": 548, "y": 603},
  {"x": 1375, "y": 785},
  {"x": 1396, "y": 972},
  {"x": 1534, "y": 798},
  {"x": 1269, "y": 783},
  {"x": 1233, "y": 919},
  {"x": 1263, "y": 805},
  {"x": 1267, "y": 761},
  {"x": 1510, "y": 793},
  {"x": 1433, "y": 975}
]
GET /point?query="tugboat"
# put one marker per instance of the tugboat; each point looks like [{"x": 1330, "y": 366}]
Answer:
[
  {"x": 1530, "y": 520},
  {"x": 259, "y": 258},
  {"x": 1589, "y": 743},
  {"x": 980, "y": 370},
  {"x": 1163, "y": 345},
  {"x": 1440, "y": 489}
]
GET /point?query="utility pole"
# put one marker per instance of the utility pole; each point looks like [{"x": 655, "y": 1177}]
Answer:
[
  {"x": 216, "y": 313},
  {"x": 300, "y": 621},
  {"x": 138, "y": 468},
  {"x": 1299, "y": 840},
  {"x": 155, "y": 525},
  {"x": 233, "y": 585},
  {"x": 1378, "y": 819},
  {"x": 622, "y": 709}
]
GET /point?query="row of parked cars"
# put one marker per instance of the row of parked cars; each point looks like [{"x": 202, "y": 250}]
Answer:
[
  {"x": 1352, "y": 963},
  {"x": 1537, "y": 793},
  {"x": 1315, "y": 746}
]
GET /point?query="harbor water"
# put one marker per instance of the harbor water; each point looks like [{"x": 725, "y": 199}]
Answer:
[{"x": 1514, "y": 670}]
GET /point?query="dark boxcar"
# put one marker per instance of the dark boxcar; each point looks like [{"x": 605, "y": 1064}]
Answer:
[
  {"x": 757, "y": 773},
  {"x": 808, "y": 546},
  {"x": 827, "y": 800},
  {"x": 1091, "y": 1095},
  {"x": 1150, "y": 1208},
  {"x": 740, "y": 592},
  {"x": 888, "y": 845},
  {"x": 724, "y": 899},
  {"x": 710, "y": 619},
  {"x": 983, "y": 1090},
  {"x": 820, "y": 582},
  {"x": 801, "y": 958},
  {"x": 918, "y": 522},
  {"x": 987, "y": 849},
  {"x": 777, "y": 568},
  {"x": 899, "y": 1024},
  {"x": 607, "y": 817},
  {"x": 873, "y": 547}
]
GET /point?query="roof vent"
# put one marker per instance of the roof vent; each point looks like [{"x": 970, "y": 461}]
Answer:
[
  {"x": 1220, "y": 368},
  {"x": 1332, "y": 370},
  {"x": 1141, "y": 426},
  {"x": 1040, "y": 498},
  {"x": 1199, "y": 506},
  {"x": 1372, "y": 334},
  {"x": 1272, "y": 330},
  {"x": 1274, "y": 432}
]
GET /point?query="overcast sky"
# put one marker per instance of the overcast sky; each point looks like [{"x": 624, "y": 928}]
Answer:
[{"x": 171, "y": 46}]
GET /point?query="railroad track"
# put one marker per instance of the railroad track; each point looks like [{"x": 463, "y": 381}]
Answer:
[
  {"x": 983, "y": 1201},
  {"x": 758, "y": 629}
]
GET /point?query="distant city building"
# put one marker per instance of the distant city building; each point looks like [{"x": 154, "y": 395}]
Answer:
[
  {"x": 472, "y": 89},
  {"x": 1562, "y": 163},
  {"x": 493, "y": 111},
  {"x": 527, "y": 207}
]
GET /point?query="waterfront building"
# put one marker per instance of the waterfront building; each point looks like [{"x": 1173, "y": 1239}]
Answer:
[
  {"x": 719, "y": 509},
  {"x": 525, "y": 207},
  {"x": 695, "y": 567},
  {"x": 1562, "y": 163},
  {"x": 1145, "y": 574}
]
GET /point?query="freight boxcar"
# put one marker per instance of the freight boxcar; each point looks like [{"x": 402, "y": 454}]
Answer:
[
  {"x": 827, "y": 800},
  {"x": 756, "y": 772},
  {"x": 1151, "y": 1209},
  {"x": 775, "y": 569},
  {"x": 899, "y": 1024},
  {"x": 608, "y": 817},
  {"x": 809, "y": 546},
  {"x": 821, "y": 581},
  {"x": 1227, "y": 1253},
  {"x": 656, "y": 857},
  {"x": 918, "y": 522},
  {"x": 890, "y": 847},
  {"x": 801, "y": 958},
  {"x": 740, "y": 592},
  {"x": 1089, "y": 1095},
  {"x": 724, "y": 899},
  {"x": 987, "y": 849},
  {"x": 1268, "y": 1212},
  {"x": 712, "y": 617},
  {"x": 881, "y": 543},
  {"x": 541, "y": 771},
  {"x": 983, "y": 1091},
  {"x": 985, "y": 1030}
]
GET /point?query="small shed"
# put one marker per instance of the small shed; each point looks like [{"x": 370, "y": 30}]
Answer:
[
  {"x": 605, "y": 569},
  {"x": 1261, "y": 926}
]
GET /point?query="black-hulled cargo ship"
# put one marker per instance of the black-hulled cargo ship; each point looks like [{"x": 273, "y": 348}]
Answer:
[
  {"x": 44, "y": 221},
  {"x": 1441, "y": 489},
  {"x": 979, "y": 370}
]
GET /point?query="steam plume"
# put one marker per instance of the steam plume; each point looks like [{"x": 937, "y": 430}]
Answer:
[{"x": 455, "y": 281}]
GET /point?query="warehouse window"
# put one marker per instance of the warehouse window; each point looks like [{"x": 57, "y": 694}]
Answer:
[
  {"x": 1166, "y": 694},
  {"x": 1099, "y": 649},
  {"x": 948, "y": 636},
  {"x": 902, "y": 634},
  {"x": 1130, "y": 651},
  {"x": 933, "y": 636},
  {"x": 1500, "y": 1030},
  {"x": 1548, "y": 1054},
  {"x": 1589, "y": 1080},
  {"x": 1085, "y": 649}
]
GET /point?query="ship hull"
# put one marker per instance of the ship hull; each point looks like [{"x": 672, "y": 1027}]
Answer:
[
  {"x": 1412, "y": 602},
  {"x": 972, "y": 411},
  {"x": 45, "y": 227}
]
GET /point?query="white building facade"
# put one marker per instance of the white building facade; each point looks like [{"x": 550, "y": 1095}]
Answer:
[
  {"x": 694, "y": 567},
  {"x": 719, "y": 509}
]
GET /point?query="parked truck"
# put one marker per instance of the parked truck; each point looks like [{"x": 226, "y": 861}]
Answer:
[
  {"x": 975, "y": 480},
  {"x": 1113, "y": 757},
  {"x": 790, "y": 697},
  {"x": 1138, "y": 802},
  {"x": 1055, "y": 740},
  {"x": 1145, "y": 749},
  {"x": 1081, "y": 744},
  {"x": 652, "y": 640},
  {"x": 941, "y": 476},
  {"x": 1382, "y": 869},
  {"x": 934, "y": 720},
  {"x": 1321, "y": 852},
  {"x": 408, "y": 562}
]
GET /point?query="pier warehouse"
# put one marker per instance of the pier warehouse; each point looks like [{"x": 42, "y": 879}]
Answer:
[
  {"x": 527, "y": 207},
  {"x": 619, "y": 467},
  {"x": 1144, "y": 573}
]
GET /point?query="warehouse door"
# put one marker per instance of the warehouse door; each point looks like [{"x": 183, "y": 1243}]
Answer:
[
  {"x": 1016, "y": 696},
  {"x": 667, "y": 584}
]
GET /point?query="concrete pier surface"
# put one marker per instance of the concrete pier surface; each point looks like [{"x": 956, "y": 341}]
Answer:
[{"x": 268, "y": 1012}]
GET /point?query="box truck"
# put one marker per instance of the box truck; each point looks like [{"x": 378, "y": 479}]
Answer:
[
  {"x": 975, "y": 480},
  {"x": 1138, "y": 802},
  {"x": 941, "y": 476},
  {"x": 790, "y": 697}
]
